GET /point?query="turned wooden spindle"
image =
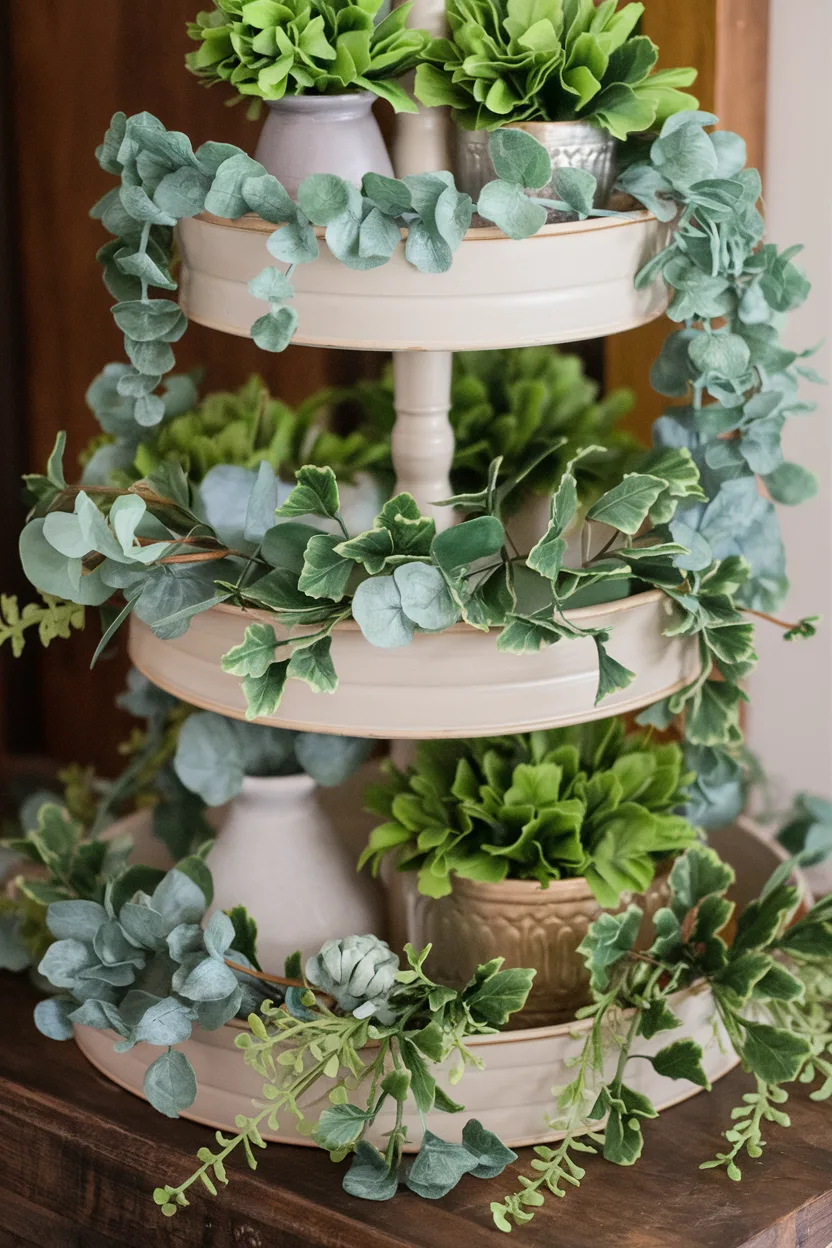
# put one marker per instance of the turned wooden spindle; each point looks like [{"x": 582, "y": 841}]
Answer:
[{"x": 423, "y": 441}]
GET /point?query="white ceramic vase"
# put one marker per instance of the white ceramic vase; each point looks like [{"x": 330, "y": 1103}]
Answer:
[
  {"x": 281, "y": 855},
  {"x": 306, "y": 134}
]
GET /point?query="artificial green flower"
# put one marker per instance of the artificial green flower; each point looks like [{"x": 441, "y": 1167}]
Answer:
[
  {"x": 267, "y": 49},
  {"x": 590, "y": 801},
  {"x": 550, "y": 60}
]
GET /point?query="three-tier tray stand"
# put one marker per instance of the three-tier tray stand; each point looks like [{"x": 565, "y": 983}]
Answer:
[{"x": 569, "y": 282}]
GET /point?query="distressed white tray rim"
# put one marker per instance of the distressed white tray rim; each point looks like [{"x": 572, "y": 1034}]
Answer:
[
  {"x": 566, "y": 283},
  {"x": 450, "y": 684}
]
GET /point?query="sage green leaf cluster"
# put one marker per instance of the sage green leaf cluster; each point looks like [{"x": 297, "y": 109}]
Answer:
[
  {"x": 244, "y": 428},
  {"x": 725, "y": 362},
  {"x": 139, "y": 963},
  {"x": 394, "y": 1030},
  {"x": 514, "y": 405},
  {"x": 214, "y": 754},
  {"x": 267, "y": 49},
  {"x": 550, "y": 60},
  {"x": 771, "y": 988},
  {"x": 588, "y": 802}
]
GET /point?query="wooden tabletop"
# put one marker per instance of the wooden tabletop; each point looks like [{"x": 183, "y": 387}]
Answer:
[{"x": 79, "y": 1159}]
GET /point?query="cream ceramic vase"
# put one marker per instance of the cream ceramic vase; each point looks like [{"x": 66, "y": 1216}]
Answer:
[
  {"x": 525, "y": 924},
  {"x": 281, "y": 855},
  {"x": 306, "y": 134}
]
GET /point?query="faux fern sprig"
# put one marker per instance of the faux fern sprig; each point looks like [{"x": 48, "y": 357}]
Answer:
[{"x": 54, "y": 619}]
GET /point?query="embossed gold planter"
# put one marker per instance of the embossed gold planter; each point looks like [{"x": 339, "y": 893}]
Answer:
[{"x": 525, "y": 924}]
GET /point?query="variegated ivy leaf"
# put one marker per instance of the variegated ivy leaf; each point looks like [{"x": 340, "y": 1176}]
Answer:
[
  {"x": 370, "y": 549},
  {"x": 681, "y": 476},
  {"x": 547, "y": 556},
  {"x": 410, "y": 531},
  {"x": 625, "y": 507},
  {"x": 263, "y": 693},
  {"x": 326, "y": 568},
  {"x": 526, "y": 634},
  {"x": 255, "y": 653},
  {"x": 313, "y": 665},
  {"x": 316, "y": 494},
  {"x": 465, "y": 544},
  {"x": 612, "y": 675}
]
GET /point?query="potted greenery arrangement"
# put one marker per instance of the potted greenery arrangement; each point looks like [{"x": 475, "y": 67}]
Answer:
[
  {"x": 318, "y": 66},
  {"x": 515, "y": 405},
  {"x": 221, "y": 440},
  {"x": 517, "y": 844},
  {"x": 242, "y": 428},
  {"x": 574, "y": 75}
]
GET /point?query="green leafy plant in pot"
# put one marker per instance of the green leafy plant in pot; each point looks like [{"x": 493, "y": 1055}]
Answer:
[
  {"x": 241, "y": 428},
  {"x": 515, "y": 845},
  {"x": 574, "y": 75},
  {"x": 514, "y": 405},
  {"x": 318, "y": 65},
  {"x": 222, "y": 441}
]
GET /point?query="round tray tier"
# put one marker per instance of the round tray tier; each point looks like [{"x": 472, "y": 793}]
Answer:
[
  {"x": 451, "y": 684},
  {"x": 512, "y": 1095},
  {"x": 568, "y": 282}
]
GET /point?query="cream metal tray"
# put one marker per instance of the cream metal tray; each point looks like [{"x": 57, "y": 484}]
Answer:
[
  {"x": 569, "y": 282},
  {"x": 451, "y": 684}
]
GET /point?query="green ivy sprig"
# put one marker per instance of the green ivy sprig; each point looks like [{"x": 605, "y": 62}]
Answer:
[
  {"x": 394, "y": 579},
  {"x": 383, "y": 1051},
  {"x": 771, "y": 986}
]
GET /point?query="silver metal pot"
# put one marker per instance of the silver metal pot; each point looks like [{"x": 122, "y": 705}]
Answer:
[{"x": 571, "y": 145}]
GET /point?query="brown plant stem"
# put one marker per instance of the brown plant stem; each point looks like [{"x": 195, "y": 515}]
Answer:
[
  {"x": 770, "y": 619},
  {"x": 277, "y": 979}
]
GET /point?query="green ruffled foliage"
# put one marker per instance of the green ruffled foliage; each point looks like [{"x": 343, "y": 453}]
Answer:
[
  {"x": 550, "y": 60},
  {"x": 589, "y": 801},
  {"x": 266, "y": 49},
  {"x": 244, "y": 428},
  {"x": 516, "y": 404}
]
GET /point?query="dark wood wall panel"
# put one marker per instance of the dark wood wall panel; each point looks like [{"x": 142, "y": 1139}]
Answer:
[
  {"x": 727, "y": 41},
  {"x": 73, "y": 64}
]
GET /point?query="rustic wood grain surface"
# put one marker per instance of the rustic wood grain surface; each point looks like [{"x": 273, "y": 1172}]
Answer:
[{"x": 79, "y": 1159}]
